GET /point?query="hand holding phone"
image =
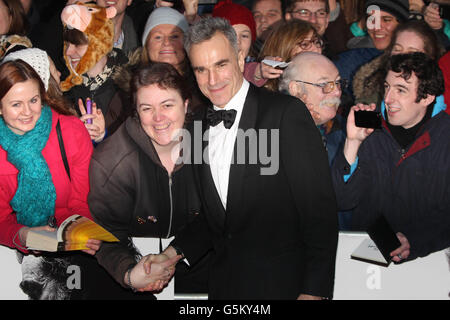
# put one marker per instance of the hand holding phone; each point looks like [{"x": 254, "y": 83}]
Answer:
[
  {"x": 276, "y": 64},
  {"x": 368, "y": 119}
]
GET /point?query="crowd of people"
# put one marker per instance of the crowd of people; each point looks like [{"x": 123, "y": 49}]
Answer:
[{"x": 156, "y": 119}]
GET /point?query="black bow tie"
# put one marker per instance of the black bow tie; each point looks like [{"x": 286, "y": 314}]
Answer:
[{"x": 214, "y": 117}]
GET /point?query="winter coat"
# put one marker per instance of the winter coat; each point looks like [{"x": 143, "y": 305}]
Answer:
[
  {"x": 114, "y": 103},
  {"x": 71, "y": 195},
  {"x": 410, "y": 187},
  {"x": 367, "y": 87},
  {"x": 132, "y": 195}
]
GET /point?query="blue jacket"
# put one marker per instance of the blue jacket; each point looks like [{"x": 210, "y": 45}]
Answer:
[
  {"x": 410, "y": 187},
  {"x": 335, "y": 140}
]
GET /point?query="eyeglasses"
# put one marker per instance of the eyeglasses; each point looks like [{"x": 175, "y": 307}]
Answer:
[
  {"x": 306, "y": 44},
  {"x": 306, "y": 14},
  {"x": 328, "y": 87}
]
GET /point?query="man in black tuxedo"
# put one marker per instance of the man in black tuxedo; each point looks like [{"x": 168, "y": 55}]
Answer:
[{"x": 272, "y": 224}]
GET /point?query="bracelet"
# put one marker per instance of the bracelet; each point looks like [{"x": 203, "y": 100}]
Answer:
[{"x": 129, "y": 279}]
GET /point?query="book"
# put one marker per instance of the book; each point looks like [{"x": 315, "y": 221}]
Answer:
[
  {"x": 368, "y": 251},
  {"x": 72, "y": 234},
  {"x": 382, "y": 242}
]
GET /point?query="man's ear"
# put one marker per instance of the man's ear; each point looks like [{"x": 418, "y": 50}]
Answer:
[
  {"x": 298, "y": 91},
  {"x": 241, "y": 60},
  {"x": 293, "y": 88},
  {"x": 328, "y": 21},
  {"x": 287, "y": 16},
  {"x": 428, "y": 99},
  {"x": 186, "y": 104}
]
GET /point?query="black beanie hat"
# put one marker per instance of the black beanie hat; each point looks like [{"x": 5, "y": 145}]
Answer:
[{"x": 398, "y": 8}]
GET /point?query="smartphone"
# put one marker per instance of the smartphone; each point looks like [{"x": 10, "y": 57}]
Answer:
[
  {"x": 89, "y": 109},
  {"x": 437, "y": 6},
  {"x": 368, "y": 119},
  {"x": 276, "y": 64}
]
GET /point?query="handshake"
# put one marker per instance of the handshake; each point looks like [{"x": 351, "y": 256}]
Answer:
[{"x": 153, "y": 271}]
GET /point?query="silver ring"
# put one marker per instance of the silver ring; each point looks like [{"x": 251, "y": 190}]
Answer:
[{"x": 400, "y": 256}]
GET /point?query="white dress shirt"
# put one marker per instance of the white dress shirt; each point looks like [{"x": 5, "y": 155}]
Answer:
[{"x": 221, "y": 144}]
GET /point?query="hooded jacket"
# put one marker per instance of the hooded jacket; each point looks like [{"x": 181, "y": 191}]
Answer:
[{"x": 410, "y": 187}]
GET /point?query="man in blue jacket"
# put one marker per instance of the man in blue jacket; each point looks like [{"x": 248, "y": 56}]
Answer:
[{"x": 401, "y": 171}]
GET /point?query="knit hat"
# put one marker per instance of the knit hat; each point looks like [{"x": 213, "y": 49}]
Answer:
[
  {"x": 235, "y": 14},
  {"x": 36, "y": 58},
  {"x": 398, "y": 8},
  {"x": 164, "y": 15}
]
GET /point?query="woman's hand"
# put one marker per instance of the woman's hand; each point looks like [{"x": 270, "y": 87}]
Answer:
[
  {"x": 432, "y": 17},
  {"x": 153, "y": 272},
  {"x": 93, "y": 245},
  {"x": 190, "y": 10},
  {"x": 23, "y": 233},
  {"x": 264, "y": 71},
  {"x": 97, "y": 128}
]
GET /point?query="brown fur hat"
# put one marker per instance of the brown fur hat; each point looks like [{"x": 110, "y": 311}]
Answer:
[{"x": 96, "y": 24}]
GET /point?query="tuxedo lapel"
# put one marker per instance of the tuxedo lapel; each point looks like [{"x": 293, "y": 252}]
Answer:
[
  {"x": 237, "y": 170},
  {"x": 212, "y": 198}
]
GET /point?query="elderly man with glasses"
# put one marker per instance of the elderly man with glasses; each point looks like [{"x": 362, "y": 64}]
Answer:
[{"x": 314, "y": 79}]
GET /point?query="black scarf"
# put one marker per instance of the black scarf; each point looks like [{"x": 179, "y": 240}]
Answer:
[{"x": 406, "y": 137}]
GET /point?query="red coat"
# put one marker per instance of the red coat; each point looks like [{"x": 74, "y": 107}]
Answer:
[
  {"x": 444, "y": 64},
  {"x": 71, "y": 195}
]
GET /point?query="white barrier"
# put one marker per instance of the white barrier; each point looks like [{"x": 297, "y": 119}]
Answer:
[{"x": 423, "y": 278}]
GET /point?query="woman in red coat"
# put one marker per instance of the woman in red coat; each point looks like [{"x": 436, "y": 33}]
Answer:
[
  {"x": 34, "y": 183},
  {"x": 36, "y": 187}
]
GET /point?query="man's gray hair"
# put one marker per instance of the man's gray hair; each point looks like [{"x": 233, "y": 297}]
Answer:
[
  {"x": 206, "y": 28},
  {"x": 289, "y": 74}
]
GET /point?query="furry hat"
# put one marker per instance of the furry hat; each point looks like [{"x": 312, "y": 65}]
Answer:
[{"x": 95, "y": 22}]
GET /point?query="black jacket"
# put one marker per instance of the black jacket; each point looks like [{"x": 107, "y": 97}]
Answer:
[
  {"x": 277, "y": 238},
  {"x": 132, "y": 195},
  {"x": 410, "y": 187}
]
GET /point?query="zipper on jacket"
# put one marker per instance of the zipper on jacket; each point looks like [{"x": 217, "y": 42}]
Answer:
[
  {"x": 402, "y": 153},
  {"x": 171, "y": 206}
]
